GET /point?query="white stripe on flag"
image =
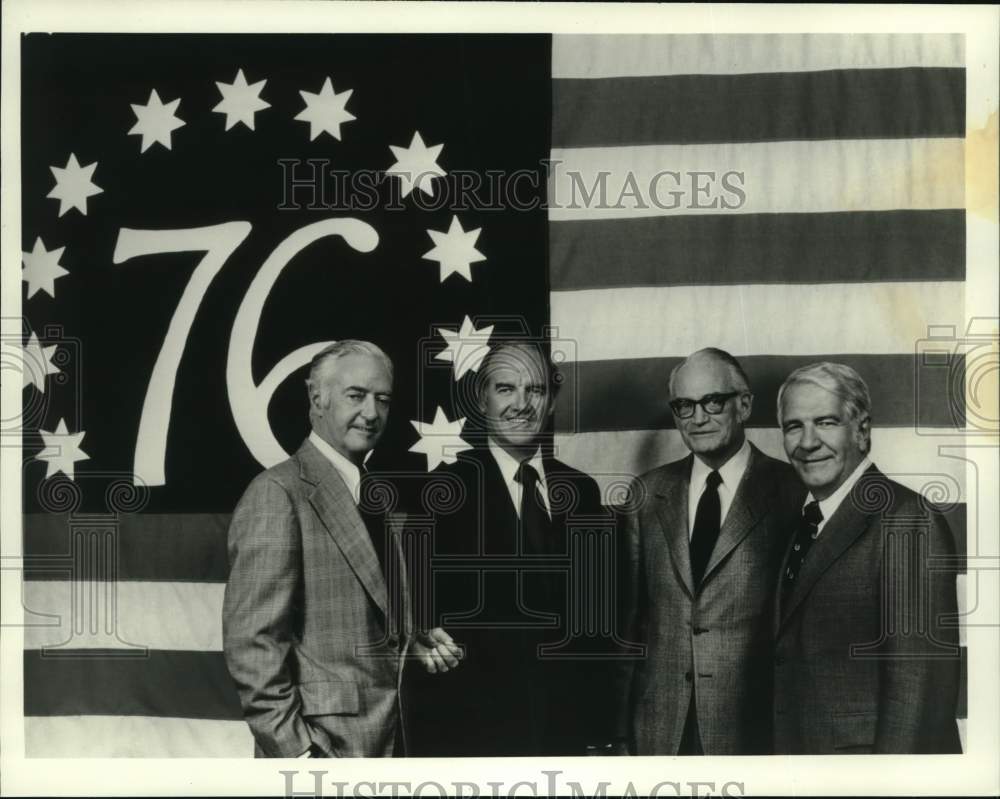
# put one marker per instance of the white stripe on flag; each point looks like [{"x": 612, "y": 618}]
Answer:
[
  {"x": 777, "y": 177},
  {"x": 125, "y": 614},
  {"x": 710, "y": 54},
  {"x": 858, "y": 318},
  {"x": 614, "y": 457},
  {"x": 134, "y": 736}
]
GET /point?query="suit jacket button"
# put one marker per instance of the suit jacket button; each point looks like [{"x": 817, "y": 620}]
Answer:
[{"x": 688, "y": 676}]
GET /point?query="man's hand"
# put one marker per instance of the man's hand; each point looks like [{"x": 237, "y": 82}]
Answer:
[{"x": 436, "y": 650}]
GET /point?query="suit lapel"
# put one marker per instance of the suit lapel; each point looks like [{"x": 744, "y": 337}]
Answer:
[
  {"x": 335, "y": 507},
  {"x": 672, "y": 510},
  {"x": 748, "y": 507},
  {"x": 843, "y": 529}
]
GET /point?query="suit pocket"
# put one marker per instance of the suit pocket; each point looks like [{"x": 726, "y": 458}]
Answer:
[
  {"x": 854, "y": 733},
  {"x": 330, "y": 697}
]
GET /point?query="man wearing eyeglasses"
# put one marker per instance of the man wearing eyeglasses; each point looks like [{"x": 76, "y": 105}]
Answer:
[{"x": 704, "y": 549}]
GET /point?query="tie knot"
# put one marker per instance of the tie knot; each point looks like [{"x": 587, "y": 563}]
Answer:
[
  {"x": 811, "y": 513},
  {"x": 714, "y": 480},
  {"x": 526, "y": 474}
]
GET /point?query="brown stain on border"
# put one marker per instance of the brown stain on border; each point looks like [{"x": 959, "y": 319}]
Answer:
[{"x": 982, "y": 183}]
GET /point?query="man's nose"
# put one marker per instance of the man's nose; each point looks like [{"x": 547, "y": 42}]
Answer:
[
  {"x": 700, "y": 415},
  {"x": 368, "y": 407},
  {"x": 809, "y": 439}
]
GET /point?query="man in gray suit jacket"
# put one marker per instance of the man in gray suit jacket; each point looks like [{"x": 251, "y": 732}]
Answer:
[
  {"x": 867, "y": 656},
  {"x": 316, "y": 616},
  {"x": 704, "y": 548}
]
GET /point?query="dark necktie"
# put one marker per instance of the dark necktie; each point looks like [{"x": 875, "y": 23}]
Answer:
[
  {"x": 707, "y": 520},
  {"x": 805, "y": 534},
  {"x": 534, "y": 519},
  {"x": 372, "y": 512}
]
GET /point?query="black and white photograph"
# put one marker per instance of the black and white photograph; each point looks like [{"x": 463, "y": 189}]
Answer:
[{"x": 502, "y": 399}]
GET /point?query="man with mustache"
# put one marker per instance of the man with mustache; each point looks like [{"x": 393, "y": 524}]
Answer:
[
  {"x": 316, "y": 619},
  {"x": 705, "y": 539},
  {"x": 867, "y": 656},
  {"x": 501, "y": 600}
]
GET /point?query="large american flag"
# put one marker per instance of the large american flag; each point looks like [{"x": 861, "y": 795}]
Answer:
[{"x": 179, "y": 269}]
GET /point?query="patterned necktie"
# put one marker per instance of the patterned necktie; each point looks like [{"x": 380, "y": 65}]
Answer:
[
  {"x": 534, "y": 519},
  {"x": 807, "y": 532},
  {"x": 372, "y": 512},
  {"x": 707, "y": 520}
]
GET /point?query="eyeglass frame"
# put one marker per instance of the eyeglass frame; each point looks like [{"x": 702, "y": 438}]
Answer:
[{"x": 718, "y": 396}]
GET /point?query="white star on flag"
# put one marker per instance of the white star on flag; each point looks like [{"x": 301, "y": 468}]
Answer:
[
  {"x": 240, "y": 100},
  {"x": 466, "y": 348},
  {"x": 326, "y": 112},
  {"x": 41, "y": 269},
  {"x": 440, "y": 440},
  {"x": 416, "y": 165},
  {"x": 74, "y": 185},
  {"x": 62, "y": 451},
  {"x": 455, "y": 250},
  {"x": 155, "y": 121},
  {"x": 36, "y": 363}
]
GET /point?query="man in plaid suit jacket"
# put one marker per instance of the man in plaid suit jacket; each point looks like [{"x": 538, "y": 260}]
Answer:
[{"x": 316, "y": 617}]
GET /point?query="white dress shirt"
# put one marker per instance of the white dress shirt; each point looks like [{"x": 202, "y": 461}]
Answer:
[
  {"x": 829, "y": 505},
  {"x": 731, "y": 474},
  {"x": 508, "y": 468},
  {"x": 347, "y": 470}
]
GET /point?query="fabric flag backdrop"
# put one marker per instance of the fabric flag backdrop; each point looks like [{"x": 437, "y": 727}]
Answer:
[
  {"x": 849, "y": 243},
  {"x": 180, "y": 266}
]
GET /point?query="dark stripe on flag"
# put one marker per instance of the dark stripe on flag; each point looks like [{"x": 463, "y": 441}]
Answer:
[
  {"x": 736, "y": 249},
  {"x": 963, "y": 687},
  {"x": 779, "y": 106},
  {"x": 188, "y": 547},
  {"x": 86, "y": 682},
  {"x": 631, "y": 394}
]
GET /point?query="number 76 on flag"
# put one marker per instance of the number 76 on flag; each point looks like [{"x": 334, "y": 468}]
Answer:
[{"x": 248, "y": 400}]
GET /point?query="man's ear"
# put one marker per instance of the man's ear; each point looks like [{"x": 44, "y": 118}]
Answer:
[
  {"x": 865, "y": 433},
  {"x": 746, "y": 405},
  {"x": 314, "y": 393}
]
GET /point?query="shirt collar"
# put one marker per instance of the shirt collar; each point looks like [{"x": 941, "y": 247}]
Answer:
[
  {"x": 829, "y": 505},
  {"x": 509, "y": 464},
  {"x": 731, "y": 471},
  {"x": 347, "y": 470}
]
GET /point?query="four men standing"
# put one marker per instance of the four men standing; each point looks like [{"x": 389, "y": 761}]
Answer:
[{"x": 766, "y": 596}]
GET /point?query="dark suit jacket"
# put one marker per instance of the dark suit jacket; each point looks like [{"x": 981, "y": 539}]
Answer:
[
  {"x": 714, "y": 638},
  {"x": 504, "y": 700},
  {"x": 863, "y": 662},
  {"x": 306, "y": 632}
]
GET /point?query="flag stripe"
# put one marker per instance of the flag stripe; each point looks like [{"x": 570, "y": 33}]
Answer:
[
  {"x": 187, "y": 547},
  {"x": 777, "y": 106},
  {"x": 859, "y": 318},
  {"x": 85, "y": 682},
  {"x": 774, "y": 177},
  {"x": 719, "y": 249},
  {"x": 588, "y": 56},
  {"x": 614, "y": 458},
  {"x": 135, "y": 736},
  {"x": 592, "y": 392},
  {"x": 123, "y": 615}
]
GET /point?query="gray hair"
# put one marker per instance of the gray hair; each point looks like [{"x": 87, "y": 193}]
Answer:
[
  {"x": 739, "y": 377},
  {"x": 482, "y": 374},
  {"x": 839, "y": 379},
  {"x": 337, "y": 350}
]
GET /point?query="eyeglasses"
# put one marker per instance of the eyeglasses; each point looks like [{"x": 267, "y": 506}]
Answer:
[{"x": 713, "y": 404}]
